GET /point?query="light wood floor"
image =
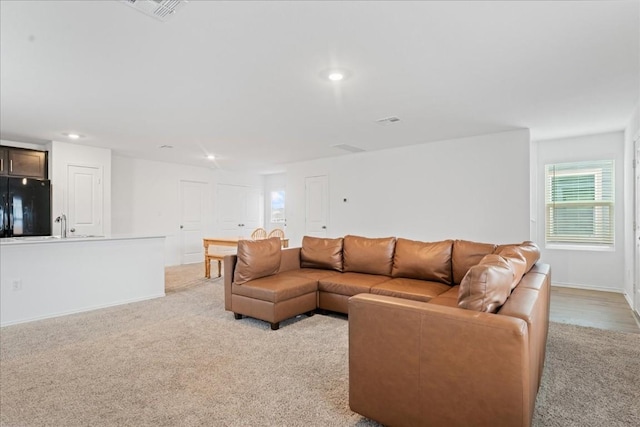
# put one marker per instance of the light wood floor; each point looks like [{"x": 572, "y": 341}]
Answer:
[{"x": 604, "y": 310}]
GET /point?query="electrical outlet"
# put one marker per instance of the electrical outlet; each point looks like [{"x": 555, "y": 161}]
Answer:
[{"x": 16, "y": 285}]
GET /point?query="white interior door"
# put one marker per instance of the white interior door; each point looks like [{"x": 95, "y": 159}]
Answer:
[
  {"x": 636, "y": 282},
  {"x": 192, "y": 212},
  {"x": 240, "y": 210},
  {"x": 230, "y": 210},
  {"x": 317, "y": 205},
  {"x": 84, "y": 200},
  {"x": 253, "y": 209}
]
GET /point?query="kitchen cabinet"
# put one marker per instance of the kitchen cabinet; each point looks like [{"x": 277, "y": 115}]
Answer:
[
  {"x": 23, "y": 162},
  {"x": 4, "y": 160}
]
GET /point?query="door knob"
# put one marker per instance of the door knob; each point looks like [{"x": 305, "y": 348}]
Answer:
[
  {"x": 324, "y": 227},
  {"x": 181, "y": 227},
  {"x": 73, "y": 230}
]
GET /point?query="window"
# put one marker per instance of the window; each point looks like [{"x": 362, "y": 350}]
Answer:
[
  {"x": 277, "y": 206},
  {"x": 579, "y": 202}
]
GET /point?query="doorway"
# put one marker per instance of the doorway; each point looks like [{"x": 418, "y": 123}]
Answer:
[
  {"x": 84, "y": 200},
  {"x": 240, "y": 210},
  {"x": 317, "y": 205},
  {"x": 636, "y": 282},
  {"x": 192, "y": 214}
]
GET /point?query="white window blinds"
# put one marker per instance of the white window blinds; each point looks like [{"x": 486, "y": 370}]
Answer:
[{"x": 579, "y": 201}]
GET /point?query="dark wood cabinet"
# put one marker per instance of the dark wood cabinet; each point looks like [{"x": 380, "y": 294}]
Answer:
[
  {"x": 4, "y": 161},
  {"x": 23, "y": 162}
]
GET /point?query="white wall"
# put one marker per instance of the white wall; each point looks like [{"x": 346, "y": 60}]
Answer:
[
  {"x": 146, "y": 197},
  {"x": 595, "y": 269},
  {"x": 631, "y": 133},
  {"x": 63, "y": 154},
  {"x": 474, "y": 188}
]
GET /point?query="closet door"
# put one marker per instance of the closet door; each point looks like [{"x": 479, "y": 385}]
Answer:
[{"x": 239, "y": 210}]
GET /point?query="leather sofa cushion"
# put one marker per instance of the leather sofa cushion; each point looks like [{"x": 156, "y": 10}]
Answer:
[
  {"x": 449, "y": 298},
  {"x": 256, "y": 259},
  {"x": 466, "y": 254},
  {"x": 422, "y": 260},
  {"x": 486, "y": 286},
  {"x": 370, "y": 256},
  {"x": 414, "y": 289},
  {"x": 515, "y": 257},
  {"x": 350, "y": 283},
  {"x": 321, "y": 253},
  {"x": 276, "y": 288},
  {"x": 529, "y": 250},
  {"x": 313, "y": 273}
]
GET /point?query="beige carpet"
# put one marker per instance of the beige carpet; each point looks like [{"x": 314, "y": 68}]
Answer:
[{"x": 183, "y": 361}]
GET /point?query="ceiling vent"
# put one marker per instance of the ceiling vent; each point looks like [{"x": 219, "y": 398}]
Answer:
[
  {"x": 347, "y": 147},
  {"x": 159, "y": 9},
  {"x": 388, "y": 120}
]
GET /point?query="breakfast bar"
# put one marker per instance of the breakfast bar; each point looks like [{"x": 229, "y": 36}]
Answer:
[{"x": 43, "y": 277}]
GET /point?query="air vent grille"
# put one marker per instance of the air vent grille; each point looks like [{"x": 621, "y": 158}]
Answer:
[
  {"x": 388, "y": 120},
  {"x": 159, "y": 9},
  {"x": 347, "y": 147}
]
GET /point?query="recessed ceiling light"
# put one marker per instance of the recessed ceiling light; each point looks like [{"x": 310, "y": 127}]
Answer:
[
  {"x": 211, "y": 157},
  {"x": 335, "y": 74},
  {"x": 72, "y": 135}
]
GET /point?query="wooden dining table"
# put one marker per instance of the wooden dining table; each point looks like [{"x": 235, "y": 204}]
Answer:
[{"x": 223, "y": 241}]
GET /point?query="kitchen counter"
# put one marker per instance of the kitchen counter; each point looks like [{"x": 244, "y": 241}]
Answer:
[
  {"x": 43, "y": 277},
  {"x": 70, "y": 239}
]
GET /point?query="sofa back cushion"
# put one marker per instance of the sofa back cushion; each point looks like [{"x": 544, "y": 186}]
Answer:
[
  {"x": 422, "y": 260},
  {"x": 528, "y": 249},
  {"x": 371, "y": 256},
  {"x": 322, "y": 253},
  {"x": 256, "y": 259},
  {"x": 487, "y": 285},
  {"x": 514, "y": 256},
  {"x": 466, "y": 254}
]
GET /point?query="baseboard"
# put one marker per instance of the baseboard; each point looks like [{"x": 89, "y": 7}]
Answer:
[
  {"x": 590, "y": 288},
  {"x": 82, "y": 310},
  {"x": 629, "y": 299}
]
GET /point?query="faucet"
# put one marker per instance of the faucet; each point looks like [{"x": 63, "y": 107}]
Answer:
[{"x": 62, "y": 219}]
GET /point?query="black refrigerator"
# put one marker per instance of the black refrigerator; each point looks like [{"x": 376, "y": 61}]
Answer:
[{"x": 25, "y": 207}]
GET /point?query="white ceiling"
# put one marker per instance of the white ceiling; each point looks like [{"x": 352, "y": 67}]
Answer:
[{"x": 242, "y": 80}]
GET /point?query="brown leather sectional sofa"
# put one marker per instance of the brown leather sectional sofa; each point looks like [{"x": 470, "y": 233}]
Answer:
[{"x": 440, "y": 333}]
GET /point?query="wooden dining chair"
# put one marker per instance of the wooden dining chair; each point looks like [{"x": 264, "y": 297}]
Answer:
[
  {"x": 259, "y": 233},
  {"x": 276, "y": 232}
]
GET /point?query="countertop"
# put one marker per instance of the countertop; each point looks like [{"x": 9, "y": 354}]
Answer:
[{"x": 72, "y": 239}]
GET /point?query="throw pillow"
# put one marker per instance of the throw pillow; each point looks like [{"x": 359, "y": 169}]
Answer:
[
  {"x": 256, "y": 259},
  {"x": 486, "y": 286}
]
